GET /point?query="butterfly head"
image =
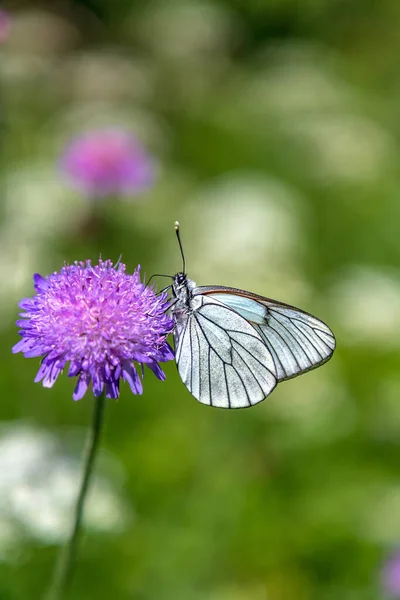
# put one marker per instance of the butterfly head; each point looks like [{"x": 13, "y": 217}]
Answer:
[
  {"x": 181, "y": 283},
  {"x": 180, "y": 279},
  {"x": 182, "y": 289}
]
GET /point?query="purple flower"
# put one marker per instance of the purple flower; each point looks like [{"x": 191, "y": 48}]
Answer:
[
  {"x": 5, "y": 25},
  {"x": 391, "y": 576},
  {"x": 99, "y": 319},
  {"x": 107, "y": 162}
]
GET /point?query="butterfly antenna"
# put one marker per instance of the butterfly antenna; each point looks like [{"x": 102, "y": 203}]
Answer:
[
  {"x": 156, "y": 275},
  {"x": 180, "y": 246}
]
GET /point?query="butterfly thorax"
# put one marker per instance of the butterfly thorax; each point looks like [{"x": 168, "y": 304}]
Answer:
[
  {"x": 183, "y": 303},
  {"x": 182, "y": 289}
]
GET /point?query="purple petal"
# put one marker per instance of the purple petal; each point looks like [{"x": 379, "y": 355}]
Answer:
[
  {"x": 40, "y": 284},
  {"x": 158, "y": 372},
  {"x": 27, "y": 304},
  {"x": 34, "y": 352},
  {"x": 74, "y": 368},
  {"x": 166, "y": 353},
  {"x": 55, "y": 355},
  {"x": 98, "y": 382},
  {"x": 19, "y": 346},
  {"x": 24, "y": 346},
  {"x": 51, "y": 376},
  {"x": 130, "y": 375},
  {"x": 42, "y": 372},
  {"x": 142, "y": 358},
  {"x": 81, "y": 386},
  {"x": 23, "y": 323},
  {"x": 112, "y": 389}
]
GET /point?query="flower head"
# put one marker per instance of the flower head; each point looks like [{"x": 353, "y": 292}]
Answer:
[
  {"x": 99, "y": 319},
  {"x": 108, "y": 162},
  {"x": 391, "y": 576},
  {"x": 5, "y": 25}
]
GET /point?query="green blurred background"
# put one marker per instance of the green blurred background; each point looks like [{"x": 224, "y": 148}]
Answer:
[{"x": 276, "y": 128}]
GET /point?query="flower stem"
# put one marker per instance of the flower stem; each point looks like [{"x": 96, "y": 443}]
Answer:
[{"x": 65, "y": 564}]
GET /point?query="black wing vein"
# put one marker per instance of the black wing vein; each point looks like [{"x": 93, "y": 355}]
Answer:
[
  {"x": 296, "y": 341},
  {"x": 246, "y": 366},
  {"x": 309, "y": 339},
  {"x": 227, "y": 366},
  {"x": 283, "y": 342}
]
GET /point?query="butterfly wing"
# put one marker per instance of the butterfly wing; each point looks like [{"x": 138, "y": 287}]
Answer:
[
  {"x": 221, "y": 358},
  {"x": 296, "y": 340}
]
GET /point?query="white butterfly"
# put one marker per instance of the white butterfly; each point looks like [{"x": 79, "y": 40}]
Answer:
[{"x": 232, "y": 347}]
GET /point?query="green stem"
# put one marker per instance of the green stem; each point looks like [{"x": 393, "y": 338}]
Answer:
[{"x": 65, "y": 563}]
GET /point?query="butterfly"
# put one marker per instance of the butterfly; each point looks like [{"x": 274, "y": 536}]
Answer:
[{"x": 233, "y": 347}]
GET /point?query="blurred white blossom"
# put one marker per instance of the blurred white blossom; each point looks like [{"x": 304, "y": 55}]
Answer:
[
  {"x": 343, "y": 147},
  {"x": 184, "y": 30},
  {"x": 38, "y": 488},
  {"x": 107, "y": 74},
  {"x": 366, "y": 304},
  {"x": 297, "y": 92},
  {"x": 38, "y": 32},
  {"x": 18, "y": 261},
  {"x": 293, "y": 80},
  {"x": 38, "y": 207},
  {"x": 248, "y": 230}
]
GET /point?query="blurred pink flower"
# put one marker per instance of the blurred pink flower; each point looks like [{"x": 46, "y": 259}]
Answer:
[
  {"x": 5, "y": 25},
  {"x": 108, "y": 162},
  {"x": 391, "y": 576}
]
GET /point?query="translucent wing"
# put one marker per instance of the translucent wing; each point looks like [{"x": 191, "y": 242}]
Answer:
[
  {"x": 297, "y": 341},
  {"x": 221, "y": 358}
]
